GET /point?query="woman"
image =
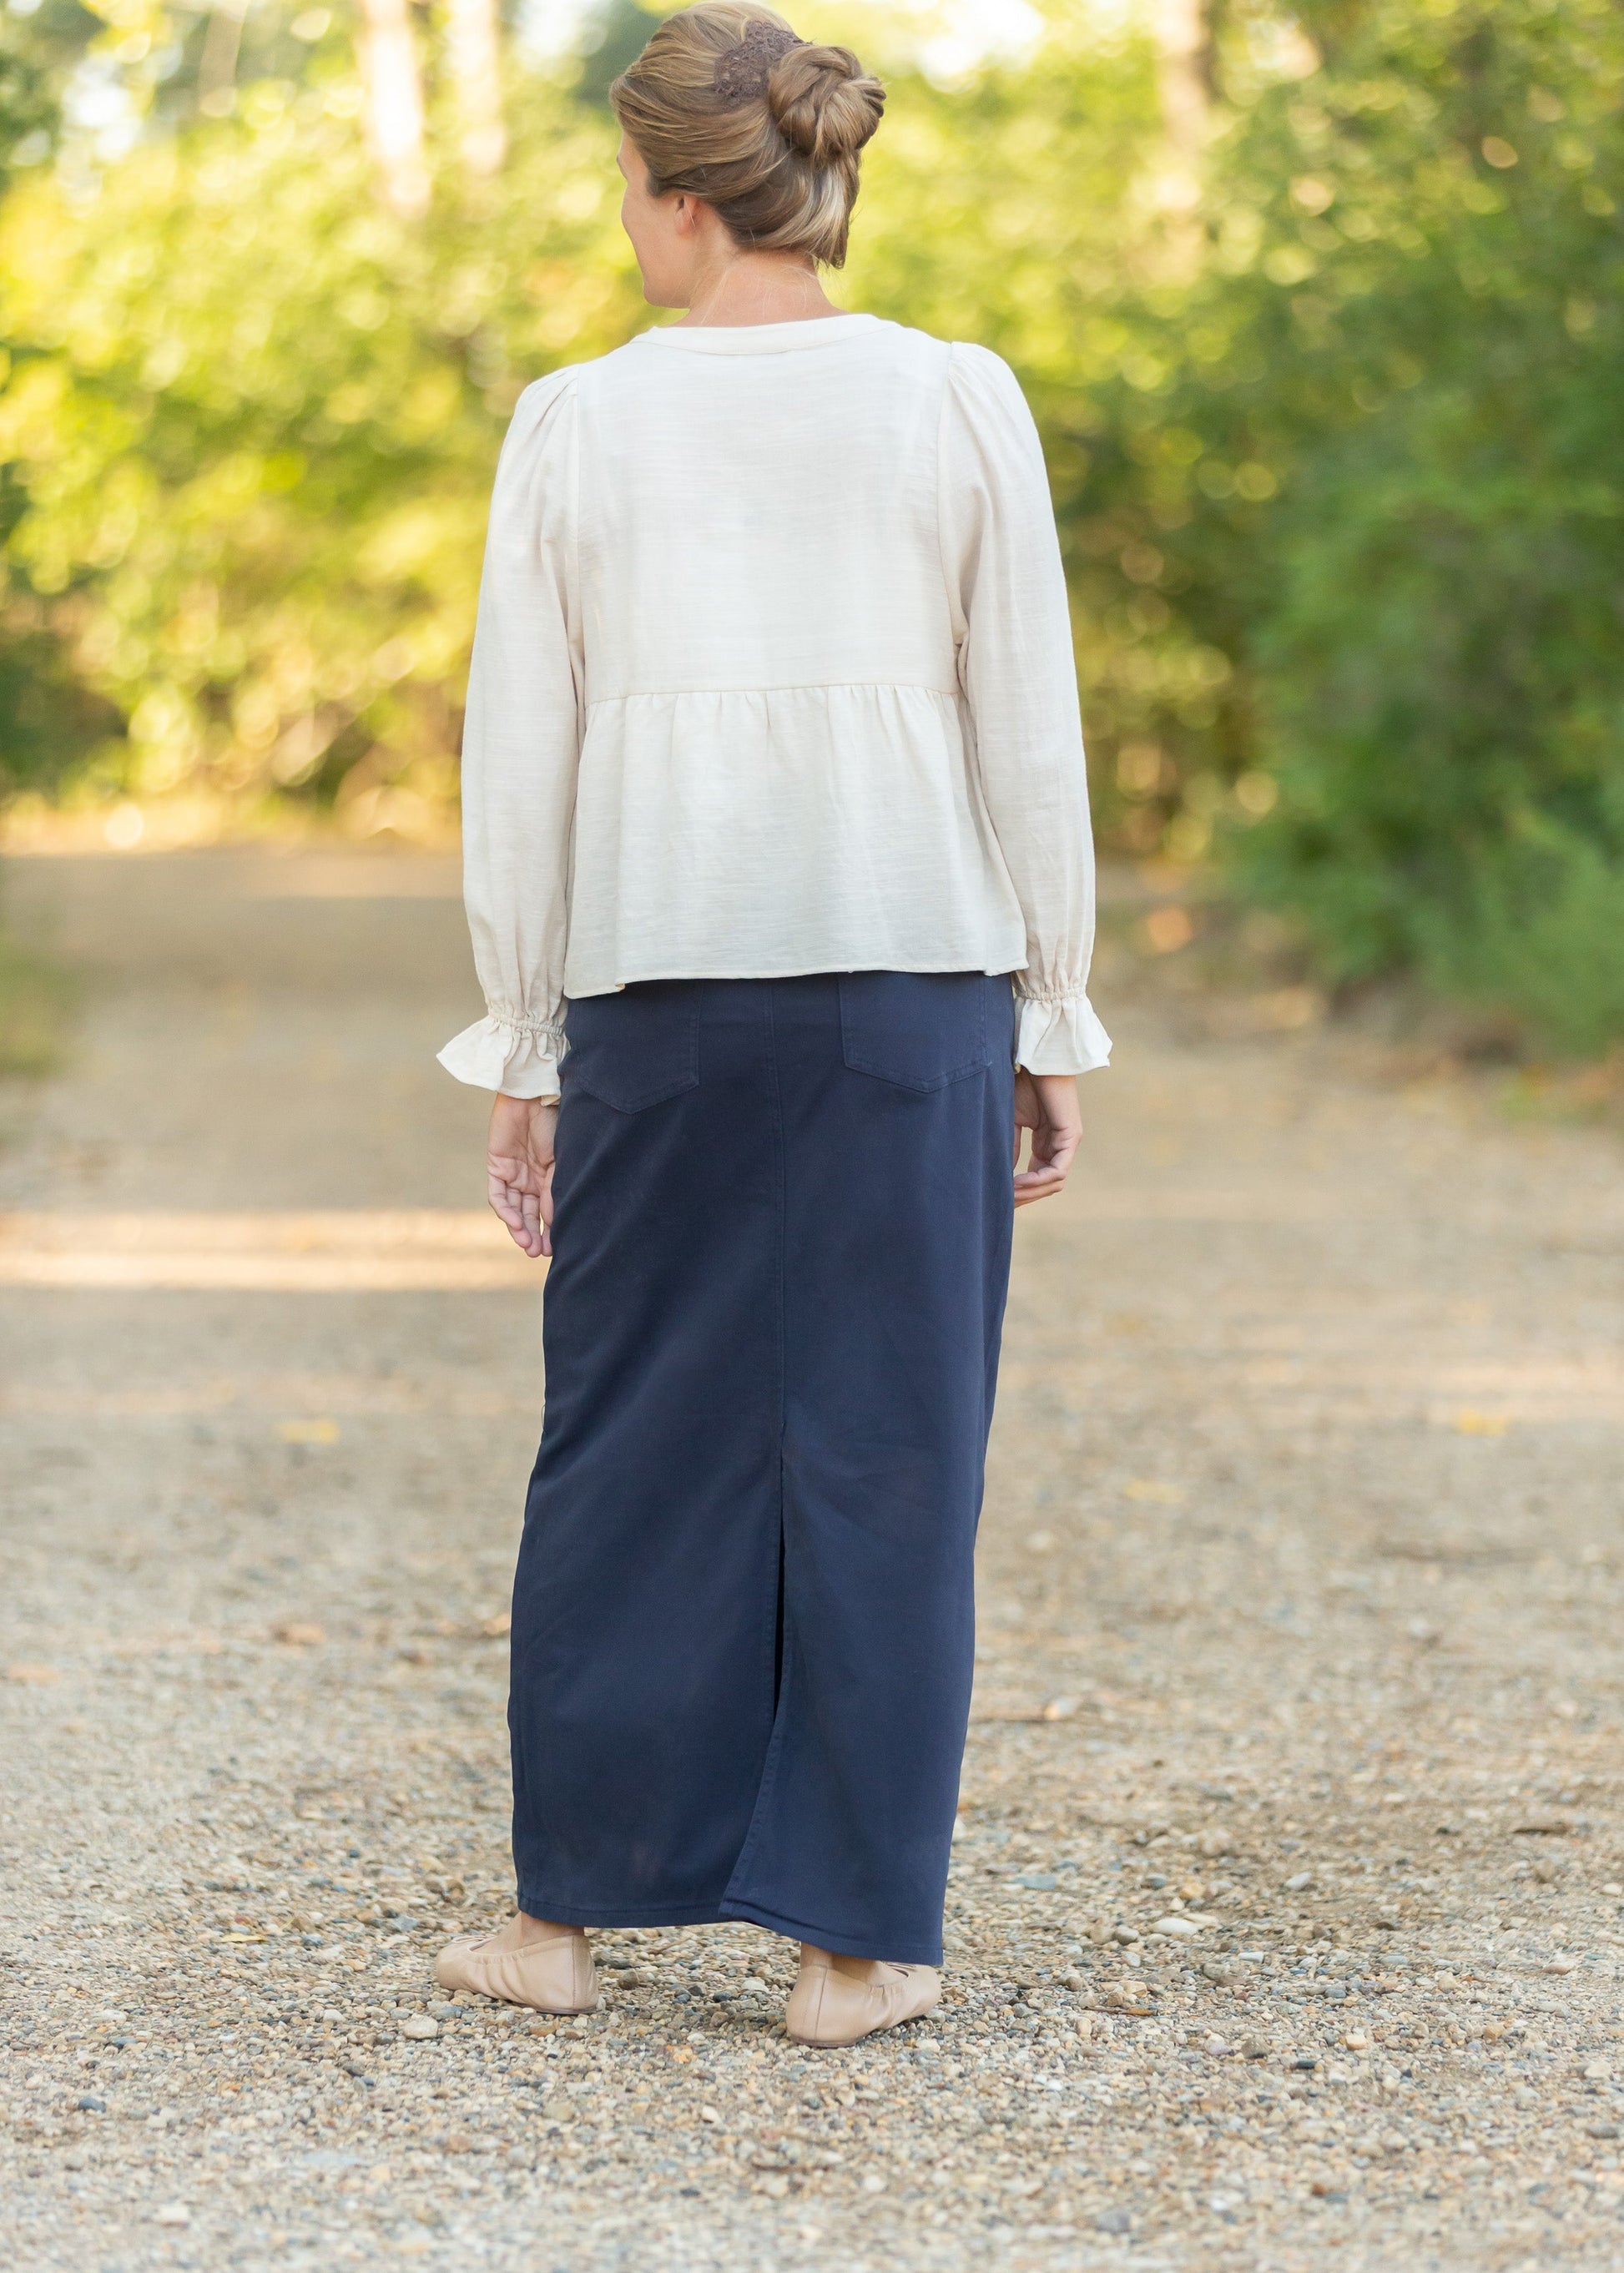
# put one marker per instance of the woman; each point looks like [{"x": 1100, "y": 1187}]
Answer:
[{"x": 772, "y": 784}]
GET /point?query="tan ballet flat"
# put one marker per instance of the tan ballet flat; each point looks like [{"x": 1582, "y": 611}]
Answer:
[
  {"x": 552, "y": 1974},
  {"x": 840, "y": 2001}
]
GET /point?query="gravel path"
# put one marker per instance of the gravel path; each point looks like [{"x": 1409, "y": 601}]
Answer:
[{"x": 1288, "y": 1915}]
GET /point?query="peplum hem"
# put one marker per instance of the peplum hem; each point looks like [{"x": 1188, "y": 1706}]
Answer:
[
  {"x": 516, "y": 1058},
  {"x": 1059, "y": 1033},
  {"x": 756, "y": 832}
]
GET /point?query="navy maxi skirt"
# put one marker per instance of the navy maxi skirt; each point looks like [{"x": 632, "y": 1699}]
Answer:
[{"x": 743, "y": 1620}]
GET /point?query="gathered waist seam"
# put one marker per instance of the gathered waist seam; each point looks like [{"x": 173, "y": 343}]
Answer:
[{"x": 788, "y": 687}]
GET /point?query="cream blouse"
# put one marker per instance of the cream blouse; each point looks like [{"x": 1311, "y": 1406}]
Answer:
[{"x": 772, "y": 674}]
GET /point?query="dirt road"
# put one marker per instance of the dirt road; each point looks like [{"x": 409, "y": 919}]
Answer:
[{"x": 1288, "y": 1917}]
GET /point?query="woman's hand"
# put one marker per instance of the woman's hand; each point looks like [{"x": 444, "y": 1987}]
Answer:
[
  {"x": 519, "y": 1166},
  {"x": 1046, "y": 1103}
]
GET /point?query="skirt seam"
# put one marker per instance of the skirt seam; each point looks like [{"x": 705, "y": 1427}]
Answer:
[{"x": 775, "y": 1723}]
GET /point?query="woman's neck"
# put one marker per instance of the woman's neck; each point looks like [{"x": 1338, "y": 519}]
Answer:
[{"x": 759, "y": 288}]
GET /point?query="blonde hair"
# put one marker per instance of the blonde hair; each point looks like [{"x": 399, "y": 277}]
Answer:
[{"x": 780, "y": 165}]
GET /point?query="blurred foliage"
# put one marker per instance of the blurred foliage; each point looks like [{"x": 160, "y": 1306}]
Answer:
[
  {"x": 1336, "y": 449},
  {"x": 254, "y": 418},
  {"x": 1429, "y": 609},
  {"x": 39, "y": 47},
  {"x": 612, "y": 37}
]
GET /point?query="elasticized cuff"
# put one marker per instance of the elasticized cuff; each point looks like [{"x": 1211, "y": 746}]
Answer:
[
  {"x": 1059, "y": 1033},
  {"x": 520, "y": 1059}
]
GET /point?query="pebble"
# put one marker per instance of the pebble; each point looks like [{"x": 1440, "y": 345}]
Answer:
[{"x": 419, "y": 2027}]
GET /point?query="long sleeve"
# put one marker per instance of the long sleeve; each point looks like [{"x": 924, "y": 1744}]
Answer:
[
  {"x": 1019, "y": 674},
  {"x": 521, "y": 750}
]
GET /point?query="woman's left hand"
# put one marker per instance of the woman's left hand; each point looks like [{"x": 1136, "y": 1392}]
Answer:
[{"x": 519, "y": 1167}]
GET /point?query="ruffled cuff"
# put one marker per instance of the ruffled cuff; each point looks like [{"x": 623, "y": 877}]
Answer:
[
  {"x": 516, "y": 1056},
  {"x": 1059, "y": 1033}
]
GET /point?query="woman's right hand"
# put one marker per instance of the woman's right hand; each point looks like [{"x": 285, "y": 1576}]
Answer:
[
  {"x": 519, "y": 1168},
  {"x": 1046, "y": 1104}
]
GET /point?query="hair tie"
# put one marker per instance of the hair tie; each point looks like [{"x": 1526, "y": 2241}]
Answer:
[{"x": 741, "y": 71}]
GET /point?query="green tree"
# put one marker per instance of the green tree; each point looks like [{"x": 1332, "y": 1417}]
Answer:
[
  {"x": 254, "y": 431},
  {"x": 1435, "y": 628}
]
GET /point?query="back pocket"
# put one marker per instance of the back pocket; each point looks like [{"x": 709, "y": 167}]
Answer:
[
  {"x": 634, "y": 1048},
  {"x": 917, "y": 1028}
]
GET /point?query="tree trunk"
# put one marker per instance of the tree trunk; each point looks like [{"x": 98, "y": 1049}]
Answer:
[
  {"x": 394, "y": 86},
  {"x": 473, "y": 50},
  {"x": 1181, "y": 43},
  {"x": 217, "y": 68}
]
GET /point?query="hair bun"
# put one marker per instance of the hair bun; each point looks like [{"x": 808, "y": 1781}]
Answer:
[{"x": 822, "y": 102}]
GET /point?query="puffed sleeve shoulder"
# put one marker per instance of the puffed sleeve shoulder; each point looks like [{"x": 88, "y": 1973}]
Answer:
[{"x": 533, "y": 500}]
